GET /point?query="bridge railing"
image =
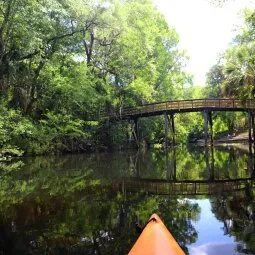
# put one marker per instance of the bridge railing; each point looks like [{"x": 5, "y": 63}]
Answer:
[
  {"x": 183, "y": 105},
  {"x": 189, "y": 105}
]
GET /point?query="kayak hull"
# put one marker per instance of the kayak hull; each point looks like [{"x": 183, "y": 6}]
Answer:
[{"x": 155, "y": 239}]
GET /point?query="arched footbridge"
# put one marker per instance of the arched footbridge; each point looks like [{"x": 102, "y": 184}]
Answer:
[
  {"x": 170, "y": 108},
  {"x": 179, "y": 106}
]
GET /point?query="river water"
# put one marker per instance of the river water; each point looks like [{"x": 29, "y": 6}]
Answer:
[{"x": 89, "y": 204}]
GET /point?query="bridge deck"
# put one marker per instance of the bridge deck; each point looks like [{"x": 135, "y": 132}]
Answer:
[{"x": 196, "y": 105}]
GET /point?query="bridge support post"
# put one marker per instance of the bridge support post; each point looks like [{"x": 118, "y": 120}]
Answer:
[
  {"x": 174, "y": 165},
  {"x": 169, "y": 121},
  {"x": 253, "y": 153},
  {"x": 251, "y": 140},
  {"x": 251, "y": 126},
  {"x": 171, "y": 165},
  {"x": 212, "y": 147},
  {"x": 211, "y": 127},
  {"x": 208, "y": 133},
  {"x": 166, "y": 131},
  {"x": 209, "y": 165},
  {"x": 251, "y": 161},
  {"x": 206, "y": 127},
  {"x": 134, "y": 132},
  {"x": 172, "y": 128}
]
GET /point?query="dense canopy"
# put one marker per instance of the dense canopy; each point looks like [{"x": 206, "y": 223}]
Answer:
[{"x": 63, "y": 63}]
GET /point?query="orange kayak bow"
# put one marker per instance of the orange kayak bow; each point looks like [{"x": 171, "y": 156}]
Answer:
[{"x": 155, "y": 239}]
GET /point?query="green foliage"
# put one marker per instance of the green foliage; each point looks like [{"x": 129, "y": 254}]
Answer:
[
  {"x": 54, "y": 133},
  {"x": 239, "y": 71},
  {"x": 65, "y": 63},
  {"x": 233, "y": 75},
  {"x": 12, "y": 128},
  {"x": 214, "y": 80},
  {"x": 229, "y": 122}
]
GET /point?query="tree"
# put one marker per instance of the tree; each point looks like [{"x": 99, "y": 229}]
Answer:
[
  {"x": 214, "y": 80},
  {"x": 240, "y": 61},
  {"x": 80, "y": 59}
]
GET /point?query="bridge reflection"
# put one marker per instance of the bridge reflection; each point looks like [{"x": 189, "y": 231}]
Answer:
[
  {"x": 187, "y": 187},
  {"x": 209, "y": 184}
]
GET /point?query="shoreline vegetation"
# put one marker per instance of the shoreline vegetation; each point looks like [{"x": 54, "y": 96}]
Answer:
[{"x": 239, "y": 140}]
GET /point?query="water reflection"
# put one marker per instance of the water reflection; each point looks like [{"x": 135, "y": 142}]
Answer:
[
  {"x": 88, "y": 204},
  {"x": 215, "y": 249}
]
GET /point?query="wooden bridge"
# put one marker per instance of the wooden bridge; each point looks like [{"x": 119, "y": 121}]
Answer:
[
  {"x": 179, "y": 106},
  {"x": 169, "y": 108}
]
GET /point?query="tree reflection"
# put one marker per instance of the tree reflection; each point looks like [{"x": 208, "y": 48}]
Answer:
[
  {"x": 56, "y": 213},
  {"x": 237, "y": 212},
  {"x": 75, "y": 205}
]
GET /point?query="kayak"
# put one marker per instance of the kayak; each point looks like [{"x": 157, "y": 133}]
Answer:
[{"x": 155, "y": 239}]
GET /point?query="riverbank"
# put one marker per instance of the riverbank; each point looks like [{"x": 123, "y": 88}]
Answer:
[
  {"x": 239, "y": 139},
  {"x": 234, "y": 138}
]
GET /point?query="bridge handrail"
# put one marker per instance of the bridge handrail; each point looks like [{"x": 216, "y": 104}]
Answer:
[
  {"x": 194, "y": 104},
  {"x": 190, "y": 104}
]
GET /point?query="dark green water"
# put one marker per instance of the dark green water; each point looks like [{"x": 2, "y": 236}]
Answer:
[{"x": 89, "y": 204}]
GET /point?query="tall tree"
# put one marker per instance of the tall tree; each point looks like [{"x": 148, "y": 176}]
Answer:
[
  {"x": 239, "y": 68},
  {"x": 214, "y": 80}
]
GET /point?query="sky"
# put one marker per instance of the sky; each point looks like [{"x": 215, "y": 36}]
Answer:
[
  {"x": 205, "y": 30},
  {"x": 211, "y": 239}
]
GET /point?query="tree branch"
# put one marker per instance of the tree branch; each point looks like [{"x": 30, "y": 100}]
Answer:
[{"x": 58, "y": 37}]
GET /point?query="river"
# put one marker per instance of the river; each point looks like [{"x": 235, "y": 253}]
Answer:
[{"x": 89, "y": 203}]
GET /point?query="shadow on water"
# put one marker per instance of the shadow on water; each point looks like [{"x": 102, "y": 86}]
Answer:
[{"x": 89, "y": 204}]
